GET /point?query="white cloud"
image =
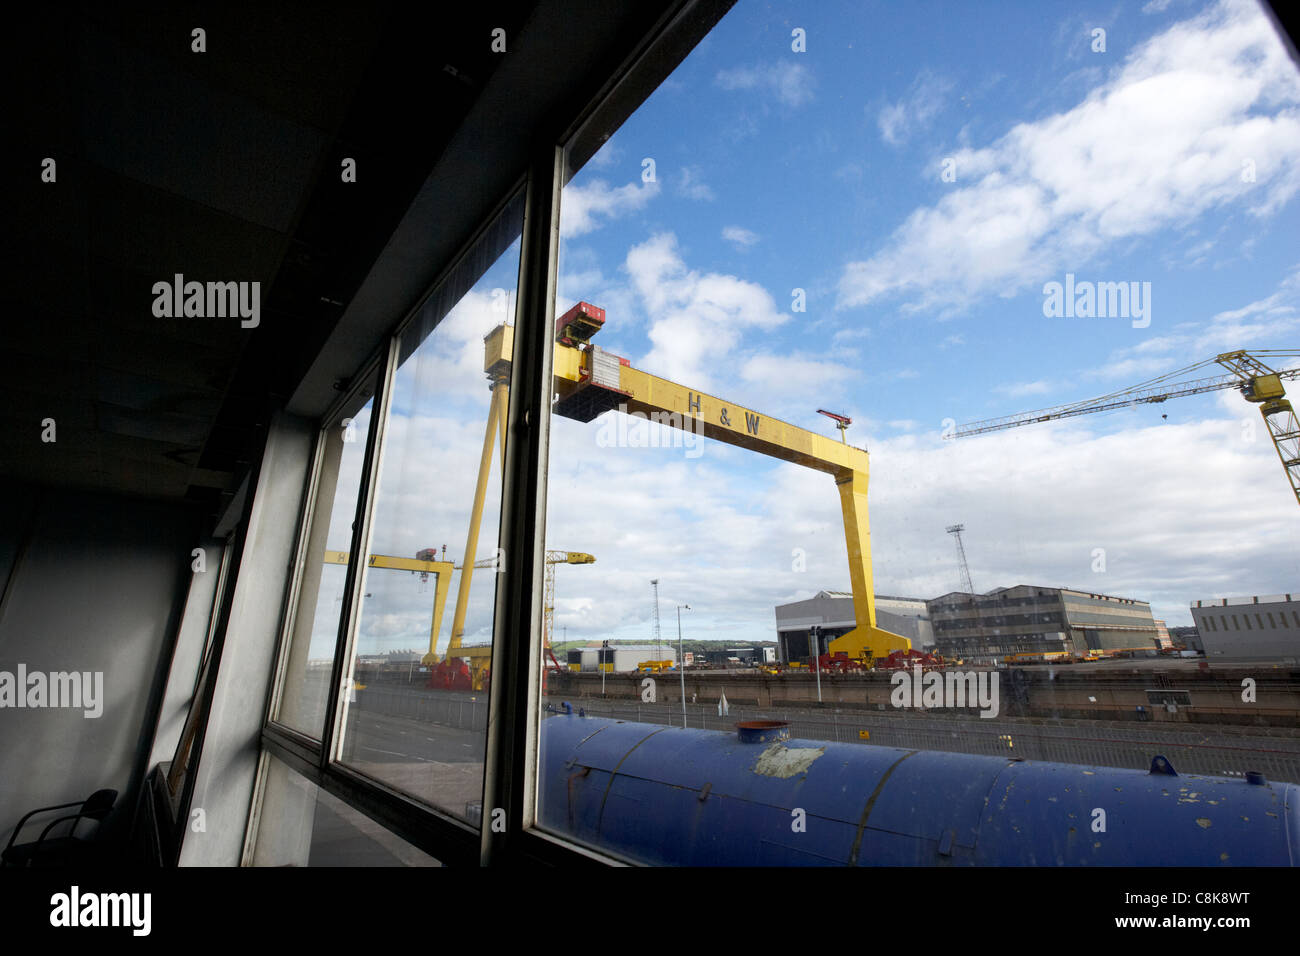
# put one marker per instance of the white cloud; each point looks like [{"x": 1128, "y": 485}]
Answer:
[
  {"x": 1266, "y": 322},
  {"x": 791, "y": 83},
  {"x": 923, "y": 101},
  {"x": 785, "y": 380},
  {"x": 1157, "y": 145},
  {"x": 588, "y": 206},
  {"x": 692, "y": 186},
  {"x": 719, "y": 531},
  {"x": 606, "y": 155},
  {"x": 741, "y": 237},
  {"x": 695, "y": 318},
  {"x": 1039, "y": 387}
]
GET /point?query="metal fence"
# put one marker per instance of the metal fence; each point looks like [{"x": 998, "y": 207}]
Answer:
[
  {"x": 446, "y": 710},
  {"x": 1216, "y": 751}
]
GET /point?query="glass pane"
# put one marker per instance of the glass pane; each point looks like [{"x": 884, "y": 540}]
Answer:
[
  {"x": 323, "y": 566},
  {"x": 808, "y": 259},
  {"x": 303, "y": 825},
  {"x": 416, "y": 713}
]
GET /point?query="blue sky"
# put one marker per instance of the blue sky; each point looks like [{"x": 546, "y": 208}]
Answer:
[{"x": 1171, "y": 158}]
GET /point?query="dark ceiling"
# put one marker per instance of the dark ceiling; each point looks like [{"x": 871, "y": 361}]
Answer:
[{"x": 225, "y": 165}]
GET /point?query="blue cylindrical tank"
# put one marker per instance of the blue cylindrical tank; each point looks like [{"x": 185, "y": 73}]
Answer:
[{"x": 669, "y": 796}]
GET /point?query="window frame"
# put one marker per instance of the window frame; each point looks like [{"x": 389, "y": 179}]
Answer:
[{"x": 510, "y": 764}]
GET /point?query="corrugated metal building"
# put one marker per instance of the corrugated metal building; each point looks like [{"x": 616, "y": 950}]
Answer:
[
  {"x": 832, "y": 611},
  {"x": 619, "y": 658},
  {"x": 1250, "y": 628}
]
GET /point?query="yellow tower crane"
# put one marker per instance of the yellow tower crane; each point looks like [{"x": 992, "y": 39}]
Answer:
[
  {"x": 552, "y": 559},
  {"x": 590, "y": 381},
  {"x": 1247, "y": 372}
]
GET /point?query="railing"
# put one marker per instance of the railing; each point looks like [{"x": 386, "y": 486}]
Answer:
[{"x": 1216, "y": 751}]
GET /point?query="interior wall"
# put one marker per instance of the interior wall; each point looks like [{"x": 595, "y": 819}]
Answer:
[
  {"x": 93, "y": 584},
  {"x": 227, "y": 770}
]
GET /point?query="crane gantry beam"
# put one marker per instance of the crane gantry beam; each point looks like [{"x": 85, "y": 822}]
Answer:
[
  {"x": 1247, "y": 372},
  {"x": 590, "y": 381}
]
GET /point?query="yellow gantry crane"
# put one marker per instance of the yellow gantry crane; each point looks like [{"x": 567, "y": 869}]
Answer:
[
  {"x": 426, "y": 563},
  {"x": 590, "y": 381},
  {"x": 1247, "y": 372},
  {"x": 442, "y": 581}
]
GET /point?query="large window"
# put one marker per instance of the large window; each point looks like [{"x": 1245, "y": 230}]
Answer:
[
  {"x": 420, "y": 665},
  {"x": 322, "y": 563},
  {"x": 853, "y": 210},
  {"x": 831, "y": 238}
]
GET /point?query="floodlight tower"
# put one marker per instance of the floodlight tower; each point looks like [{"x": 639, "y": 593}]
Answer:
[
  {"x": 955, "y": 530},
  {"x": 655, "y": 585}
]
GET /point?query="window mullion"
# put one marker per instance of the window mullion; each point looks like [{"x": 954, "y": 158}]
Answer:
[
  {"x": 341, "y": 671},
  {"x": 510, "y": 767}
]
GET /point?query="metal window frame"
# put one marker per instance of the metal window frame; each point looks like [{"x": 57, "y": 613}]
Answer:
[
  {"x": 510, "y": 764},
  {"x": 306, "y": 519}
]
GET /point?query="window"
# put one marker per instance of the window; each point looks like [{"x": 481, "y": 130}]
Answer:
[
  {"x": 315, "y": 828},
  {"x": 417, "y": 711},
  {"x": 730, "y": 265},
  {"x": 325, "y": 545},
  {"x": 730, "y": 262}
]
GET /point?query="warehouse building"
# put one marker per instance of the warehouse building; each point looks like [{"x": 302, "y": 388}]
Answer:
[
  {"x": 1187, "y": 637},
  {"x": 1250, "y": 628},
  {"x": 832, "y": 612},
  {"x": 1027, "y": 619},
  {"x": 618, "y": 659}
]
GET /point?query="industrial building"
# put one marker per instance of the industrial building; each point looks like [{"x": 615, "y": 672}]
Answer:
[
  {"x": 832, "y": 613},
  {"x": 1250, "y": 628},
  {"x": 745, "y": 655},
  {"x": 1028, "y": 619},
  {"x": 619, "y": 658},
  {"x": 1187, "y": 637}
]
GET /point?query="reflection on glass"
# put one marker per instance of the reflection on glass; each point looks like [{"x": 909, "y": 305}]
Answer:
[
  {"x": 323, "y": 562},
  {"x": 417, "y": 702},
  {"x": 302, "y": 825}
]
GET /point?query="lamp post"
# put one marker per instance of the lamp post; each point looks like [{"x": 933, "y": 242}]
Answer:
[
  {"x": 681, "y": 659},
  {"x": 816, "y": 633}
]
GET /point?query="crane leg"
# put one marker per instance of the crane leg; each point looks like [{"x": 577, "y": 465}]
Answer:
[
  {"x": 496, "y": 412},
  {"x": 866, "y": 641},
  {"x": 440, "y": 588}
]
